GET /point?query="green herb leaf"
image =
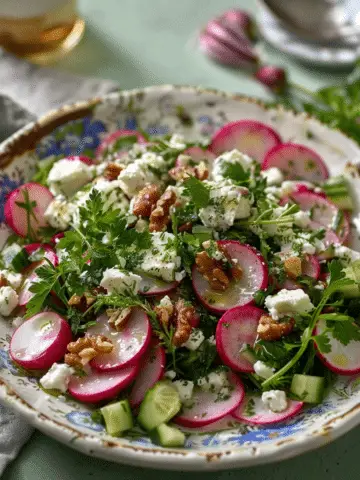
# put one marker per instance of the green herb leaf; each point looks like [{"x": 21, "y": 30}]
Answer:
[
  {"x": 236, "y": 173},
  {"x": 323, "y": 343},
  {"x": 345, "y": 332},
  {"x": 197, "y": 190}
]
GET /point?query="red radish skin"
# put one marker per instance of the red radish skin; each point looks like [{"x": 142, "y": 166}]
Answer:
[
  {"x": 55, "y": 238},
  {"x": 207, "y": 408},
  {"x": 16, "y": 217},
  {"x": 97, "y": 387},
  {"x": 155, "y": 286},
  {"x": 343, "y": 359},
  {"x": 197, "y": 155},
  {"x": 40, "y": 341},
  {"x": 226, "y": 423},
  {"x": 255, "y": 277},
  {"x": 49, "y": 252},
  {"x": 236, "y": 329},
  {"x": 262, "y": 415},
  {"x": 310, "y": 267},
  {"x": 112, "y": 137},
  {"x": 151, "y": 371},
  {"x": 129, "y": 344},
  {"x": 249, "y": 136},
  {"x": 297, "y": 162},
  {"x": 87, "y": 160}
]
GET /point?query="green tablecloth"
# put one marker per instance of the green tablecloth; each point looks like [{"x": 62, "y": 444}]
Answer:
[{"x": 144, "y": 42}]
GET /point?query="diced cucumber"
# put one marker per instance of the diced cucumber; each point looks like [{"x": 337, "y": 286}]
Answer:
[
  {"x": 202, "y": 233},
  {"x": 167, "y": 436},
  {"x": 308, "y": 388},
  {"x": 118, "y": 417},
  {"x": 350, "y": 291},
  {"x": 337, "y": 189},
  {"x": 161, "y": 403}
]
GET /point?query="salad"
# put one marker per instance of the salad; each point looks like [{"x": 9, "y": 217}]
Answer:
[{"x": 172, "y": 284}]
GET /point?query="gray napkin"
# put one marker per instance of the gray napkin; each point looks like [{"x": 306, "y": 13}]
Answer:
[{"x": 27, "y": 91}]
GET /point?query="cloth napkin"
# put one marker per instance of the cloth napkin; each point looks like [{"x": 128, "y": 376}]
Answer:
[{"x": 27, "y": 91}]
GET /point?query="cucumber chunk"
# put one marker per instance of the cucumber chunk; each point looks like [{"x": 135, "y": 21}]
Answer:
[
  {"x": 161, "y": 403},
  {"x": 167, "y": 436},
  {"x": 308, "y": 388},
  {"x": 118, "y": 417}
]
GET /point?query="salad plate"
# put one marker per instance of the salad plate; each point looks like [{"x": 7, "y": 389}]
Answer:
[{"x": 239, "y": 428}]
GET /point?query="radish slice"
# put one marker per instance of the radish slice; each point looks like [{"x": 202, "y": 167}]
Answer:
[
  {"x": 343, "y": 359},
  {"x": 129, "y": 344},
  {"x": 197, "y": 155},
  {"x": 257, "y": 414},
  {"x": 155, "y": 286},
  {"x": 55, "y": 238},
  {"x": 29, "y": 279},
  {"x": 49, "y": 253},
  {"x": 151, "y": 371},
  {"x": 323, "y": 212},
  {"x": 97, "y": 387},
  {"x": 208, "y": 407},
  {"x": 249, "y": 136},
  {"x": 109, "y": 141},
  {"x": 296, "y": 162},
  {"x": 40, "y": 341},
  {"x": 255, "y": 277},
  {"x": 16, "y": 216},
  {"x": 310, "y": 267},
  {"x": 87, "y": 160},
  {"x": 236, "y": 329},
  {"x": 226, "y": 423}
]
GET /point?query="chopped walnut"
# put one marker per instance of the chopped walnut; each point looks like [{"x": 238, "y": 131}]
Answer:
[
  {"x": 181, "y": 173},
  {"x": 160, "y": 216},
  {"x": 112, "y": 171},
  {"x": 292, "y": 267},
  {"x": 183, "y": 316},
  {"x": 118, "y": 317},
  {"x": 271, "y": 330},
  {"x": 201, "y": 171},
  {"x": 82, "y": 302},
  {"x": 212, "y": 271},
  {"x": 3, "y": 281},
  {"x": 87, "y": 348},
  {"x": 145, "y": 201},
  {"x": 185, "y": 227},
  {"x": 236, "y": 271},
  {"x": 164, "y": 313}
]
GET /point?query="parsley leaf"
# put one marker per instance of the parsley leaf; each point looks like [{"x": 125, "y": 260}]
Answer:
[
  {"x": 197, "y": 190},
  {"x": 323, "y": 342},
  {"x": 344, "y": 332},
  {"x": 236, "y": 172}
]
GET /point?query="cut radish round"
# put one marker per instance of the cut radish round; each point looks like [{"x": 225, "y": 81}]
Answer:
[
  {"x": 17, "y": 217},
  {"x": 208, "y": 407},
  {"x": 30, "y": 277},
  {"x": 48, "y": 251},
  {"x": 97, "y": 387},
  {"x": 40, "y": 341},
  {"x": 248, "y": 136},
  {"x": 258, "y": 414},
  {"x": 225, "y": 423},
  {"x": 155, "y": 286},
  {"x": 296, "y": 162},
  {"x": 323, "y": 212},
  {"x": 152, "y": 370},
  {"x": 197, "y": 155},
  {"x": 342, "y": 359},
  {"x": 82, "y": 158},
  {"x": 236, "y": 329},
  {"x": 310, "y": 267},
  {"x": 110, "y": 140},
  {"x": 129, "y": 344},
  {"x": 255, "y": 277},
  {"x": 55, "y": 238}
]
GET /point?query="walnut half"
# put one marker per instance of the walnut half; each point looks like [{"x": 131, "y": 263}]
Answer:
[
  {"x": 271, "y": 330},
  {"x": 87, "y": 348},
  {"x": 160, "y": 216}
]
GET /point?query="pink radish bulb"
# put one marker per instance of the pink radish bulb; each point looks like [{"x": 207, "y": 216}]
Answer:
[
  {"x": 272, "y": 77},
  {"x": 236, "y": 329},
  {"x": 129, "y": 344},
  {"x": 151, "y": 371},
  {"x": 261, "y": 415},
  {"x": 342, "y": 359},
  {"x": 39, "y": 197},
  {"x": 30, "y": 277},
  {"x": 240, "y": 21},
  {"x": 197, "y": 155},
  {"x": 297, "y": 162},
  {"x": 310, "y": 266},
  {"x": 241, "y": 292},
  {"x": 208, "y": 407},
  {"x": 249, "y": 136},
  {"x": 111, "y": 138},
  {"x": 56, "y": 238},
  {"x": 49, "y": 252},
  {"x": 155, "y": 286},
  {"x": 83, "y": 158},
  {"x": 97, "y": 387},
  {"x": 40, "y": 341}
]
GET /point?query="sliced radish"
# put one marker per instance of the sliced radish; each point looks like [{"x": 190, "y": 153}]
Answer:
[
  {"x": 151, "y": 371},
  {"x": 208, "y": 407},
  {"x": 197, "y": 155},
  {"x": 55, "y": 238},
  {"x": 342, "y": 359},
  {"x": 255, "y": 277},
  {"x": 129, "y": 344},
  {"x": 110, "y": 140},
  {"x": 30, "y": 277},
  {"x": 323, "y": 212},
  {"x": 155, "y": 286},
  {"x": 226, "y": 423},
  {"x": 236, "y": 329},
  {"x": 17, "y": 217},
  {"x": 40, "y": 341},
  {"x": 257, "y": 413},
  {"x": 310, "y": 266},
  {"x": 97, "y": 387},
  {"x": 82, "y": 158},
  {"x": 249, "y": 136},
  {"x": 296, "y": 162},
  {"x": 49, "y": 252}
]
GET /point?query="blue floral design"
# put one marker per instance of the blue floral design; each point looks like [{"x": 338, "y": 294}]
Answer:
[
  {"x": 6, "y": 362},
  {"x": 83, "y": 419},
  {"x": 131, "y": 123},
  {"x": 7, "y": 185},
  {"x": 157, "y": 129}
]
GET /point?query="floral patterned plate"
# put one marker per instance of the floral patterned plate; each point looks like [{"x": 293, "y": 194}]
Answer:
[{"x": 197, "y": 113}]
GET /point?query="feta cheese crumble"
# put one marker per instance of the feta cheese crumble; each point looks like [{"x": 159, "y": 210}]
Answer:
[
  {"x": 195, "y": 340},
  {"x": 161, "y": 260},
  {"x": 116, "y": 281},
  {"x": 263, "y": 370},
  {"x": 275, "y": 400},
  {"x": 288, "y": 302},
  {"x": 13, "y": 279},
  {"x": 346, "y": 253},
  {"x": 57, "y": 378},
  {"x": 213, "y": 382},
  {"x": 59, "y": 213},
  {"x": 8, "y": 300},
  {"x": 273, "y": 176},
  {"x": 232, "y": 158},
  {"x": 68, "y": 176},
  {"x": 185, "y": 389}
]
